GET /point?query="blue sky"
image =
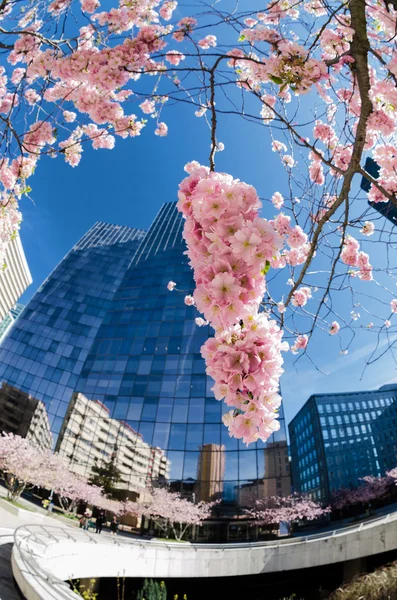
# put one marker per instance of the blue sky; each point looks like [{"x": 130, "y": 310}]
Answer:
[{"x": 128, "y": 185}]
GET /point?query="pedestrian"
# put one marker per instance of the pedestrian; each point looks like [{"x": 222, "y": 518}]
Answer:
[
  {"x": 99, "y": 522},
  {"x": 87, "y": 515},
  {"x": 114, "y": 525},
  {"x": 82, "y": 521}
]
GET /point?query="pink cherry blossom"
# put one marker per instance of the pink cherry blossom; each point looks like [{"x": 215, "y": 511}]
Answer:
[
  {"x": 334, "y": 328},
  {"x": 148, "y": 107},
  {"x": 368, "y": 228},
  {"x": 207, "y": 42},
  {"x": 171, "y": 285},
  {"x": 301, "y": 296},
  {"x": 161, "y": 130},
  {"x": 174, "y": 57},
  {"x": 277, "y": 200},
  {"x": 300, "y": 343},
  {"x": 200, "y": 322},
  {"x": 189, "y": 300},
  {"x": 69, "y": 116},
  {"x": 90, "y": 6}
]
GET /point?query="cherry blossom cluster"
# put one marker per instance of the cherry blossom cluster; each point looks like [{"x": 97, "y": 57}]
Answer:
[
  {"x": 288, "y": 66},
  {"x": 246, "y": 364},
  {"x": 230, "y": 248},
  {"x": 229, "y": 245},
  {"x": 274, "y": 510},
  {"x": 352, "y": 256},
  {"x": 299, "y": 344}
]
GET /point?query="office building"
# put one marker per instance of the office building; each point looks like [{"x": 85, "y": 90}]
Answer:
[
  {"x": 15, "y": 276},
  {"x": 210, "y": 473},
  {"x": 145, "y": 367},
  {"x": 44, "y": 352},
  {"x": 9, "y": 320},
  {"x": 338, "y": 438},
  {"x": 104, "y": 337}
]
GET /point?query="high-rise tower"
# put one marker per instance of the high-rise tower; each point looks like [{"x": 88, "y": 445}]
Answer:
[
  {"x": 145, "y": 367},
  {"x": 116, "y": 358},
  {"x": 45, "y": 350}
]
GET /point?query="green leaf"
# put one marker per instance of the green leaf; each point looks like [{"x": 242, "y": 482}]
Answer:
[
  {"x": 241, "y": 38},
  {"x": 265, "y": 268},
  {"x": 276, "y": 79}
]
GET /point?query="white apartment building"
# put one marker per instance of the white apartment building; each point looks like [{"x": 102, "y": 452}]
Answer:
[
  {"x": 14, "y": 278},
  {"x": 89, "y": 436}
]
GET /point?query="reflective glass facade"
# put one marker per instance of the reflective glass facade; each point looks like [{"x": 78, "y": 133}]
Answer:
[
  {"x": 9, "y": 319},
  {"x": 115, "y": 358},
  {"x": 44, "y": 352},
  {"x": 338, "y": 438},
  {"x": 145, "y": 367}
]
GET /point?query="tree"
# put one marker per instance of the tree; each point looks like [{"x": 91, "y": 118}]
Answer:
[
  {"x": 290, "y": 510},
  {"x": 23, "y": 465},
  {"x": 172, "y": 512},
  {"x": 106, "y": 475},
  {"x": 72, "y": 489},
  {"x": 369, "y": 489},
  {"x": 319, "y": 76},
  {"x": 152, "y": 590}
]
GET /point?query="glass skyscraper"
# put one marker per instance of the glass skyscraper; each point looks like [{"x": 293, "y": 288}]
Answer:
[
  {"x": 145, "y": 367},
  {"x": 9, "y": 319},
  {"x": 45, "y": 350},
  {"x": 142, "y": 374},
  {"x": 338, "y": 438}
]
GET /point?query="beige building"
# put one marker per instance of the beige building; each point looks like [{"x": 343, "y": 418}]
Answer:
[
  {"x": 89, "y": 436},
  {"x": 15, "y": 277},
  {"x": 277, "y": 480},
  {"x": 210, "y": 473},
  {"x": 23, "y": 415}
]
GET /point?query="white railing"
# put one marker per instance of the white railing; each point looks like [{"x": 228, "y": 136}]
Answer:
[{"x": 32, "y": 545}]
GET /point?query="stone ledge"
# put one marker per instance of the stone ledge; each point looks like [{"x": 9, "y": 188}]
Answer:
[{"x": 25, "y": 515}]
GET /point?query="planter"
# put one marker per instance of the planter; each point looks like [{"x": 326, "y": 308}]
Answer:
[{"x": 25, "y": 515}]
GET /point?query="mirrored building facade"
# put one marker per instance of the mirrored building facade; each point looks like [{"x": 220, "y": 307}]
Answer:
[
  {"x": 145, "y": 367},
  {"x": 129, "y": 381},
  {"x": 44, "y": 352}
]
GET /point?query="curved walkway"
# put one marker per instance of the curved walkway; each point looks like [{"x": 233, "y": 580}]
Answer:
[{"x": 46, "y": 556}]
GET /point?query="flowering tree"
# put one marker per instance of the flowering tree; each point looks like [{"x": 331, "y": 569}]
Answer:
[
  {"x": 371, "y": 488},
  {"x": 321, "y": 76},
  {"x": 72, "y": 489},
  {"x": 171, "y": 512},
  {"x": 23, "y": 464},
  {"x": 290, "y": 510}
]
